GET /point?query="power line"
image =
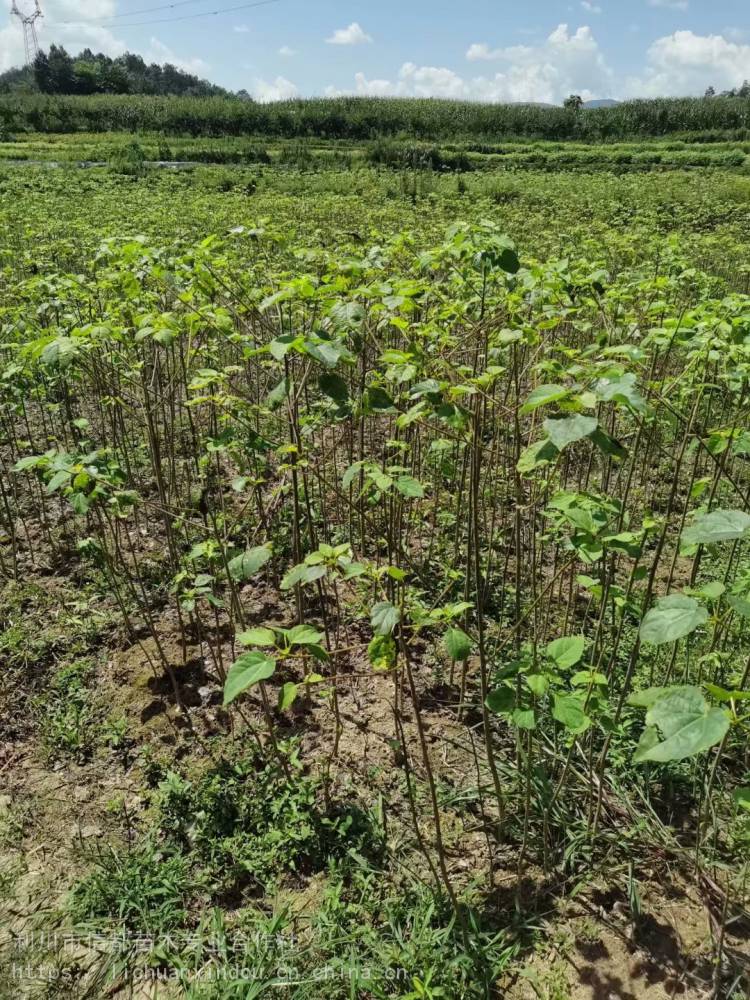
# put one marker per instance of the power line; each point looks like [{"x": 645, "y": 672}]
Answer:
[
  {"x": 171, "y": 20},
  {"x": 133, "y": 13}
]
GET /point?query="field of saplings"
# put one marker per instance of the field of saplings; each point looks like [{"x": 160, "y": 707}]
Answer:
[{"x": 374, "y": 580}]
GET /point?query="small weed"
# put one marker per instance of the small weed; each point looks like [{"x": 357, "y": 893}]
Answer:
[
  {"x": 67, "y": 724},
  {"x": 145, "y": 889}
]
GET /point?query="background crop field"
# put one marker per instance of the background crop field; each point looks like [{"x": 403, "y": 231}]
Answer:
[{"x": 374, "y": 588}]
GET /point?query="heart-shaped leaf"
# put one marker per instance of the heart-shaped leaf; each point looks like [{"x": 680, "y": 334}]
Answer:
[
  {"x": 247, "y": 564},
  {"x": 384, "y": 617},
  {"x": 672, "y": 618},
  {"x": 686, "y": 722},
  {"x": 563, "y": 431},
  {"x": 248, "y": 669},
  {"x": 718, "y": 526},
  {"x": 566, "y": 652},
  {"x": 568, "y": 710}
]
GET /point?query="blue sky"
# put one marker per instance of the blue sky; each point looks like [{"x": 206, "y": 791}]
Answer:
[{"x": 475, "y": 49}]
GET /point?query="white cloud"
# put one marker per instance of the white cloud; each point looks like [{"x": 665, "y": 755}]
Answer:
[
  {"x": 565, "y": 63},
  {"x": 160, "y": 53},
  {"x": 685, "y": 63},
  {"x": 353, "y": 35},
  {"x": 670, "y": 4},
  {"x": 241, "y": 29},
  {"x": 279, "y": 89},
  {"x": 287, "y": 52},
  {"x": 591, "y": 8},
  {"x": 481, "y": 50}
]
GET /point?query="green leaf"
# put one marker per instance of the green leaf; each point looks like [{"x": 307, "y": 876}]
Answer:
[
  {"x": 608, "y": 444},
  {"x": 80, "y": 504},
  {"x": 587, "y": 678},
  {"x": 277, "y": 395},
  {"x": 647, "y": 697},
  {"x": 672, "y": 618},
  {"x": 247, "y": 564},
  {"x": 287, "y": 696},
  {"x": 384, "y": 617},
  {"x": 248, "y": 669},
  {"x": 293, "y": 576},
  {"x": 61, "y": 478},
  {"x": 257, "y": 637},
  {"x": 60, "y": 352},
  {"x": 410, "y": 487},
  {"x": 302, "y": 635},
  {"x": 457, "y": 644},
  {"x": 621, "y": 390},
  {"x": 501, "y": 701},
  {"x": 524, "y": 718},
  {"x": 741, "y": 797},
  {"x": 543, "y": 395},
  {"x": 350, "y": 474},
  {"x": 538, "y": 684},
  {"x": 382, "y": 652},
  {"x": 687, "y": 724},
  {"x": 563, "y": 431},
  {"x": 722, "y": 694},
  {"x": 568, "y": 710},
  {"x": 334, "y": 387},
  {"x": 566, "y": 652},
  {"x": 378, "y": 400},
  {"x": 718, "y": 526},
  {"x": 675, "y": 708},
  {"x": 536, "y": 455},
  {"x": 302, "y": 573},
  {"x": 647, "y": 742},
  {"x": 740, "y": 605}
]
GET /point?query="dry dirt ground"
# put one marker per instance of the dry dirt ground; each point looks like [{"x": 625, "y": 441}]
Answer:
[{"x": 54, "y": 813}]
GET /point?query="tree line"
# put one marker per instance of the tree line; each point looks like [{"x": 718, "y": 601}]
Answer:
[{"x": 57, "y": 72}]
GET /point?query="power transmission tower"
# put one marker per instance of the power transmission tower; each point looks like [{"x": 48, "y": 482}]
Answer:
[{"x": 30, "y": 40}]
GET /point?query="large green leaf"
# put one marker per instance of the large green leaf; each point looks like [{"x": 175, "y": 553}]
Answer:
[
  {"x": 501, "y": 701},
  {"x": 410, "y": 487},
  {"x": 568, "y": 710},
  {"x": 687, "y": 724},
  {"x": 543, "y": 395},
  {"x": 621, "y": 390},
  {"x": 248, "y": 669},
  {"x": 536, "y": 455},
  {"x": 334, "y": 387},
  {"x": 259, "y": 636},
  {"x": 302, "y": 573},
  {"x": 563, "y": 431},
  {"x": 303, "y": 635},
  {"x": 247, "y": 564},
  {"x": 457, "y": 644},
  {"x": 566, "y": 652},
  {"x": 718, "y": 526},
  {"x": 382, "y": 652},
  {"x": 672, "y": 618},
  {"x": 384, "y": 617}
]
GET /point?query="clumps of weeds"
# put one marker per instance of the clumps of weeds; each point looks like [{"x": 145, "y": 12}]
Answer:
[
  {"x": 242, "y": 826},
  {"x": 67, "y": 718}
]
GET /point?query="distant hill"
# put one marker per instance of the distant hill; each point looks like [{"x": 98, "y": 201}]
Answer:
[{"x": 605, "y": 103}]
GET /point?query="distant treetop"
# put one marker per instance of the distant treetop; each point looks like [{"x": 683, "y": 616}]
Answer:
[{"x": 57, "y": 72}]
